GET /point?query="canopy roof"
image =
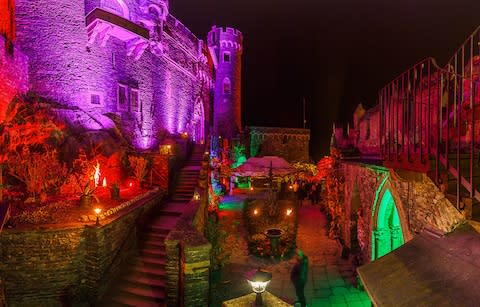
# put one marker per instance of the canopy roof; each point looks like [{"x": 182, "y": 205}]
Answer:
[
  {"x": 427, "y": 271},
  {"x": 260, "y": 167}
]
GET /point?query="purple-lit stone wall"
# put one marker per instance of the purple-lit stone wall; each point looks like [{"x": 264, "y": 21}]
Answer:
[
  {"x": 13, "y": 75},
  {"x": 66, "y": 68},
  {"x": 227, "y": 104}
]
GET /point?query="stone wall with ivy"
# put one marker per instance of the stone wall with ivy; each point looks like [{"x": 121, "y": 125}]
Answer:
[{"x": 54, "y": 266}]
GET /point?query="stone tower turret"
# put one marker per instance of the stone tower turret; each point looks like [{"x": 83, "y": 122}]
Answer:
[{"x": 225, "y": 45}]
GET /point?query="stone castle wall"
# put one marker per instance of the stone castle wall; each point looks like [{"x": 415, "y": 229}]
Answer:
[
  {"x": 289, "y": 143},
  {"x": 48, "y": 267},
  {"x": 13, "y": 74},
  {"x": 364, "y": 136},
  {"x": 65, "y": 67},
  {"x": 419, "y": 202}
]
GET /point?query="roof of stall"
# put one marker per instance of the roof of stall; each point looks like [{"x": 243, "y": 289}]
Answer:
[{"x": 260, "y": 167}]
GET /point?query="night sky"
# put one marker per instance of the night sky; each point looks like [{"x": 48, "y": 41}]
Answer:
[{"x": 335, "y": 53}]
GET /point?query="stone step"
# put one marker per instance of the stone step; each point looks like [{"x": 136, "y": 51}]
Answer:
[
  {"x": 172, "y": 209},
  {"x": 187, "y": 180},
  {"x": 158, "y": 272},
  {"x": 156, "y": 295},
  {"x": 125, "y": 299},
  {"x": 155, "y": 235},
  {"x": 136, "y": 278},
  {"x": 182, "y": 189},
  {"x": 183, "y": 193},
  {"x": 149, "y": 261},
  {"x": 187, "y": 185},
  {"x": 154, "y": 244},
  {"x": 193, "y": 180},
  {"x": 154, "y": 252},
  {"x": 163, "y": 222},
  {"x": 180, "y": 201}
]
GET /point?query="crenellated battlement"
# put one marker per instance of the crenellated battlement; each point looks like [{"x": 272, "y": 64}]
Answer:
[{"x": 225, "y": 37}]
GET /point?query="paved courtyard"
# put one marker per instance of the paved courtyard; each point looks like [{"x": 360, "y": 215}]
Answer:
[{"x": 331, "y": 279}]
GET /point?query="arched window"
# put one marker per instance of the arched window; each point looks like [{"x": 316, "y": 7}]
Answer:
[
  {"x": 116, "y": 6},
  {"x": 227, "y": 86}
]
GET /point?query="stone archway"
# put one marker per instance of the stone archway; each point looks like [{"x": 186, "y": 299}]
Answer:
[
  {"x": 198, "y": 122},
  {"x": 387, "y": 233}
]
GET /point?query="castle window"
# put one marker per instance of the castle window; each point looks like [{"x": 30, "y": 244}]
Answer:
[
  {"x": 95, "y": 99},
  {"x": 226, "y": 57},
  {"x": 134, "y": 100},
  {"x": 213, "y": 37},
  {"x": 122, "y": 98},
  {"x": 114, "y": 61},
  {"x": 227, "y": 86},
  {"x": 118, "y": 7}
]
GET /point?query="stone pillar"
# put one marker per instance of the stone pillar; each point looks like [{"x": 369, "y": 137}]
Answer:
[
  {"x": 172, "y": 270},
  {"x": 382, "y": 242},
  {"x": 396, "y": 236},
  {"x": 196, "y": 274},
  {"x": 188, "y": 264}
]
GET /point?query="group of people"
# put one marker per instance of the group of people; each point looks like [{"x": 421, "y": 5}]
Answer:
[{"x": 307, "y": 190}]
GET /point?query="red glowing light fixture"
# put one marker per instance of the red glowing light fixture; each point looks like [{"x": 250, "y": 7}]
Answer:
[
  {"x": 255, "y": 212},
  {"x": 130, "y": 184},
  {"x": 289, "y": 211}
]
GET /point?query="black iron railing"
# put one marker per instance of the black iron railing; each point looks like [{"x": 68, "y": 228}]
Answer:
[{"x": 429, "y": 118}]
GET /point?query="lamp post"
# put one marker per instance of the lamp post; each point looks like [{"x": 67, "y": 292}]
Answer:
[
  {"x": 97, "y": 213},
  {"x": 258, "y": 280}
]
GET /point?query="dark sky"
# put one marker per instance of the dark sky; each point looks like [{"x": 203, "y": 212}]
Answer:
[{"x": 335, "y": 53}]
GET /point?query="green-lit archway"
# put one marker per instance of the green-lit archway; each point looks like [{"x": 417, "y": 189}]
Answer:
[{"x": 387, "y": 233}]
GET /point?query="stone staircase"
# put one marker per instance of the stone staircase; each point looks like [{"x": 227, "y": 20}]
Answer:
[{"x": 143, "y": 280}]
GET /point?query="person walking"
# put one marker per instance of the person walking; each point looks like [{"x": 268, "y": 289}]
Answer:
[{"x": 299, "y": 275}]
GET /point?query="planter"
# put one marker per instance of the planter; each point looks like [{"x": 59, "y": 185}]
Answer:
[
  {"x": 115, "y": 193},
  {"x": 86, "y": 201},
  {"x": 274, "y": 235}
]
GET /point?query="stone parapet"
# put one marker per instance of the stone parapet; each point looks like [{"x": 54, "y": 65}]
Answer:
[
  {"x": 188, "y": 263},
  {"x": 51, "y": 266}
]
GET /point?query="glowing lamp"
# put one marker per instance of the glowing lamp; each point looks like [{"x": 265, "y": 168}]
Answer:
[
  {"x": 289, "y": 211},
  {"x": 207, "y": 153},
  {"x": 130, "y": 184},
  {"x": 290, "y": 187},
  {"x": 97, "y": 213},
  {"x": 196, "y": 196},
  {"x": 169, "y": 147},
  {"x": 255, "y": 212},
  {"x": 104, "y": 183},
  {"x": 258, "y": 280},
  {"x": 251, "y": 188}
]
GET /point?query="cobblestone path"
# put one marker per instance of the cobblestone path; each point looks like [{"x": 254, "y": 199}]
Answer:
[{"x": 331, "y": 280}]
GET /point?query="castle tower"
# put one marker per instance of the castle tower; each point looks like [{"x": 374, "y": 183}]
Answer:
[{"x": 225, "y": 45}]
